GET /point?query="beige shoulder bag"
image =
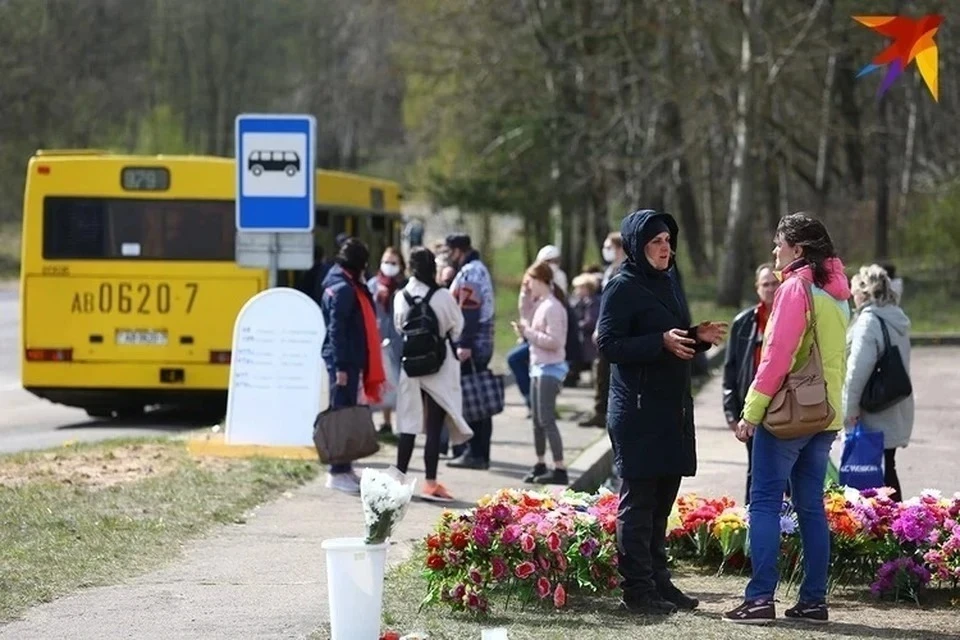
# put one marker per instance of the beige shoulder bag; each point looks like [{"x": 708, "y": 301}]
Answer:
[{"x": 801, "y": 408}]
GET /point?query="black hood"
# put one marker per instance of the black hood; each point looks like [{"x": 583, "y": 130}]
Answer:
[{"x": 632, "y": 232}]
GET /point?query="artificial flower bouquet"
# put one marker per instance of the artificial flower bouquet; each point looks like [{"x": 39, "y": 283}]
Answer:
[
  {"x": 385, "y": 496},
  {"x": 526, "y": 545}
]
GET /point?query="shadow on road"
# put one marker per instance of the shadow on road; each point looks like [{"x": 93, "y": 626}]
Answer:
[{"x": 157, "y": 420}]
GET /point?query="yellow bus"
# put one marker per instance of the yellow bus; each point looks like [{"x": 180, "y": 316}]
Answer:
[{"x": 128, "y": 284}]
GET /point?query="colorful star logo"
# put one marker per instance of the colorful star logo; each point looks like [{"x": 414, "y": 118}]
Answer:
[{"x": 912, "y": 40}]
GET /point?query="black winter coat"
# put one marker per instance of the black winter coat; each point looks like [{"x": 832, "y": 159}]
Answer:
[{"x": 650, "y": 408}]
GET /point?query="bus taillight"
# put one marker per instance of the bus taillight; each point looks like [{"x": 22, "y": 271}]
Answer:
[
  {"x": 49, "y": 355},
  {"x": 219, "y": 357}
]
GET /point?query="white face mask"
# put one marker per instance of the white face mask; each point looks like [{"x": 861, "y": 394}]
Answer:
[
  {"x": 389, "y": 270},
  {"x": 609, "y": 254}
]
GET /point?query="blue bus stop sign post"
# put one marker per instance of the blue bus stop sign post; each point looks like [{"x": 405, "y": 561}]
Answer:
[{"x": 276, "y": 168}]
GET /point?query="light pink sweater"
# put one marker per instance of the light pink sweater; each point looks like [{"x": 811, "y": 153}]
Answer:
[{"x": 546, "y": 329}]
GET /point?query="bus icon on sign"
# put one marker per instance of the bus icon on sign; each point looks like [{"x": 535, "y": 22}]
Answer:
[{"x": 287, "y": 162}]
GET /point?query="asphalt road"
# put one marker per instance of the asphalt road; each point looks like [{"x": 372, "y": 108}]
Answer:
[{"x": 27, "y": 422}]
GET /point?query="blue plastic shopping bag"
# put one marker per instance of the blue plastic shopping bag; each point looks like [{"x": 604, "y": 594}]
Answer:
[{"x": 861, "y": 465}]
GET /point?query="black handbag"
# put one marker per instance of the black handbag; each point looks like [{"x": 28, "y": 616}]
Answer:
[{"x": 889, "y": 383}]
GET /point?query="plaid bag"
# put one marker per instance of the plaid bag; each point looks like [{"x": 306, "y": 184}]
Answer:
[{"x": 482, "y": 394}]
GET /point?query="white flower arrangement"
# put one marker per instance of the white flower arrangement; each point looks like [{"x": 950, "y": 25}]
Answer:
[{"x": 385, "y": 496}]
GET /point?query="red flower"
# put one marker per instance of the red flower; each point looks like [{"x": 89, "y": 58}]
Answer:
[
  {"x": 435, "y": 562},
  {"x": 459, "y": 540},
  {"x": 525, "y": 569},
  {"x": 561, "y": 562},
  {"x": 434, "y": 542},
  {"x": 390, "y": 635},
  {"x": 543, "y": 588},
  {"x": 499, "y": 568},
  {"x": 527, "y": 543},
  {"x": 559, "y": 597},
  {"x": 475, "y": 576},
  {"x": 553, "y": 542}
]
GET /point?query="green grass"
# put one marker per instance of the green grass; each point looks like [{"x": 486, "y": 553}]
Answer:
[
  {"x": 59, "y": 534},
  {"x": 855, "y": 616},
  {"x": 9, "y": 250}
]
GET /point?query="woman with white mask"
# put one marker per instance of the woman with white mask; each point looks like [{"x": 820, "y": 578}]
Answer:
[{"x": 389, "y": 279}]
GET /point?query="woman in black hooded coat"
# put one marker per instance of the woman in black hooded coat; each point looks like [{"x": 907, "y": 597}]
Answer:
[{"x": 645, "y": 332}]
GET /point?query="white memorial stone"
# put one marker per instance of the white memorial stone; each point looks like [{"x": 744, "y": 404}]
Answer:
[{"x": 278, "y": 382}]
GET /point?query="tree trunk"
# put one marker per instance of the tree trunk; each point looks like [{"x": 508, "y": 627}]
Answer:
[
  {"x": 683, "y": 190},
  {"x": 740, "y": 213},
  {"x": 850, "y": 111},
  {"x": 882, "y": 177},
  {"x": 906, "y": 172}
]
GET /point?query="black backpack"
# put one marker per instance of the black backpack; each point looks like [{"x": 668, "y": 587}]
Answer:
[{"x": 424, "y": 349}]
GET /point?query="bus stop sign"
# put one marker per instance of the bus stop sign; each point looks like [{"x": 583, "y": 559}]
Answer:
[{"x": 276, "y": 168}]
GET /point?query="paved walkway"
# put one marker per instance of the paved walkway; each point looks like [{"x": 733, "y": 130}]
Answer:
[
  {"x": 930, "y": 461},
  {"x": 266, "y": 579}
]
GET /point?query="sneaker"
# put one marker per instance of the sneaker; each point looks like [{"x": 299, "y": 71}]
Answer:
[
  {"x": 752, "y": 612},
  {"x": 466, "y": 461},
  {"x": 538, "y": 470},
  {"x": 816, "y": 613},
  {"x": 345, "y": 482},
  {"x": 669, "y": 592},
  {"x": 557, "y": 476},
  {"x": 648, "y": 605},
  {"x": 436, "y": 493}
]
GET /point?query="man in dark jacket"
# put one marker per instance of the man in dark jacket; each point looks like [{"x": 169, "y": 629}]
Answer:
[
  {"x": 646, "y": 334},
  {"x": 743, "y": 355}
]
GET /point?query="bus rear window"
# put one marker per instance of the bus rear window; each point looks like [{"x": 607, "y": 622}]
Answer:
[{"x": 128, "y": 229}]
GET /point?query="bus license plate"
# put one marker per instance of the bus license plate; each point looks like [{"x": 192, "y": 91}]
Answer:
[{"x": 158, "y": 338}]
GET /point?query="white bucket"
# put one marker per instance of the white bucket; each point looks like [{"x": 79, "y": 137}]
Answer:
[{"x": 355, "y": 584}]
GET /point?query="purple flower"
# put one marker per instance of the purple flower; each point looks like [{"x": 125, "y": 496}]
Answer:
[
  {"x": 787, "y": 525},
  {"x": 913, "y": 524},
  {"x": 501, "y": 512},
  {"x": 481, "y": 535},
  {"x": 588, "y": 547},
  {"x": 511, "y": 534}
]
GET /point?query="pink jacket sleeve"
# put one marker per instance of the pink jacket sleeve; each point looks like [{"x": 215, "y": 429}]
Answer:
[
  {"x": 787, "y": 324},
  {"x": 554, "y": 335}
]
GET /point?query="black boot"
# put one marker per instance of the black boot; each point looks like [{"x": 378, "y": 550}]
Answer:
[
  {"x": 647, "y": 604},
  {"x": 557, "y": 476},
  {"x": 669, "y": 592}
]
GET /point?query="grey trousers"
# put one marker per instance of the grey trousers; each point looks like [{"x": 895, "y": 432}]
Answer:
[{"x": 543, "y": 402}]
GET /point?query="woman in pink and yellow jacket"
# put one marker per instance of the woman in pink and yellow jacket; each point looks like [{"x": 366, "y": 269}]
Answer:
[{"x": 804, "y": 253}]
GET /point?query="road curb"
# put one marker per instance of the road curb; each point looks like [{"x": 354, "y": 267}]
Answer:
[
  {"x": 935, "y": 339},
  {"x": 595, "y": 464}
]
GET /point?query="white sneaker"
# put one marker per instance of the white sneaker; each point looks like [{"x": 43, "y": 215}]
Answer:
[{"x": 343, "y": 482}]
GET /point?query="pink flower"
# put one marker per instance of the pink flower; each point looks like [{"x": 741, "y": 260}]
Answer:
[
  {"x": 475, "y": 576},
  {"x": 527, "y": 543},
  {"x": 458, "y": 592},
  {"x": 473, "y": 601},
  {"x": 543, "y": 587},
  {"x": 524, "y": 570},
  {"x": 559, "y": 597},
  {"x": 561, "y": 561},
  {"x": 544, "y": 563},
  {"x": 510, "y": 534}
]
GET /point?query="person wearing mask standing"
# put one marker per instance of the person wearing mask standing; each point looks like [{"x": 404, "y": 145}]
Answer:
[
  {"x": 472, "y": 288},
  {"x": 743, "y": 354},
  {"x": 351, "y": 348},
  {"x": 383, "y": 287},
  {"x": 614, "y": 256}
]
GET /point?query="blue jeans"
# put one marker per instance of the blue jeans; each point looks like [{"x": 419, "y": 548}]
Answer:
[
  {"x": 802, "y": 462},
  {"x": 519, "y": 362},
  {"x": 345, "y": 396}
]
